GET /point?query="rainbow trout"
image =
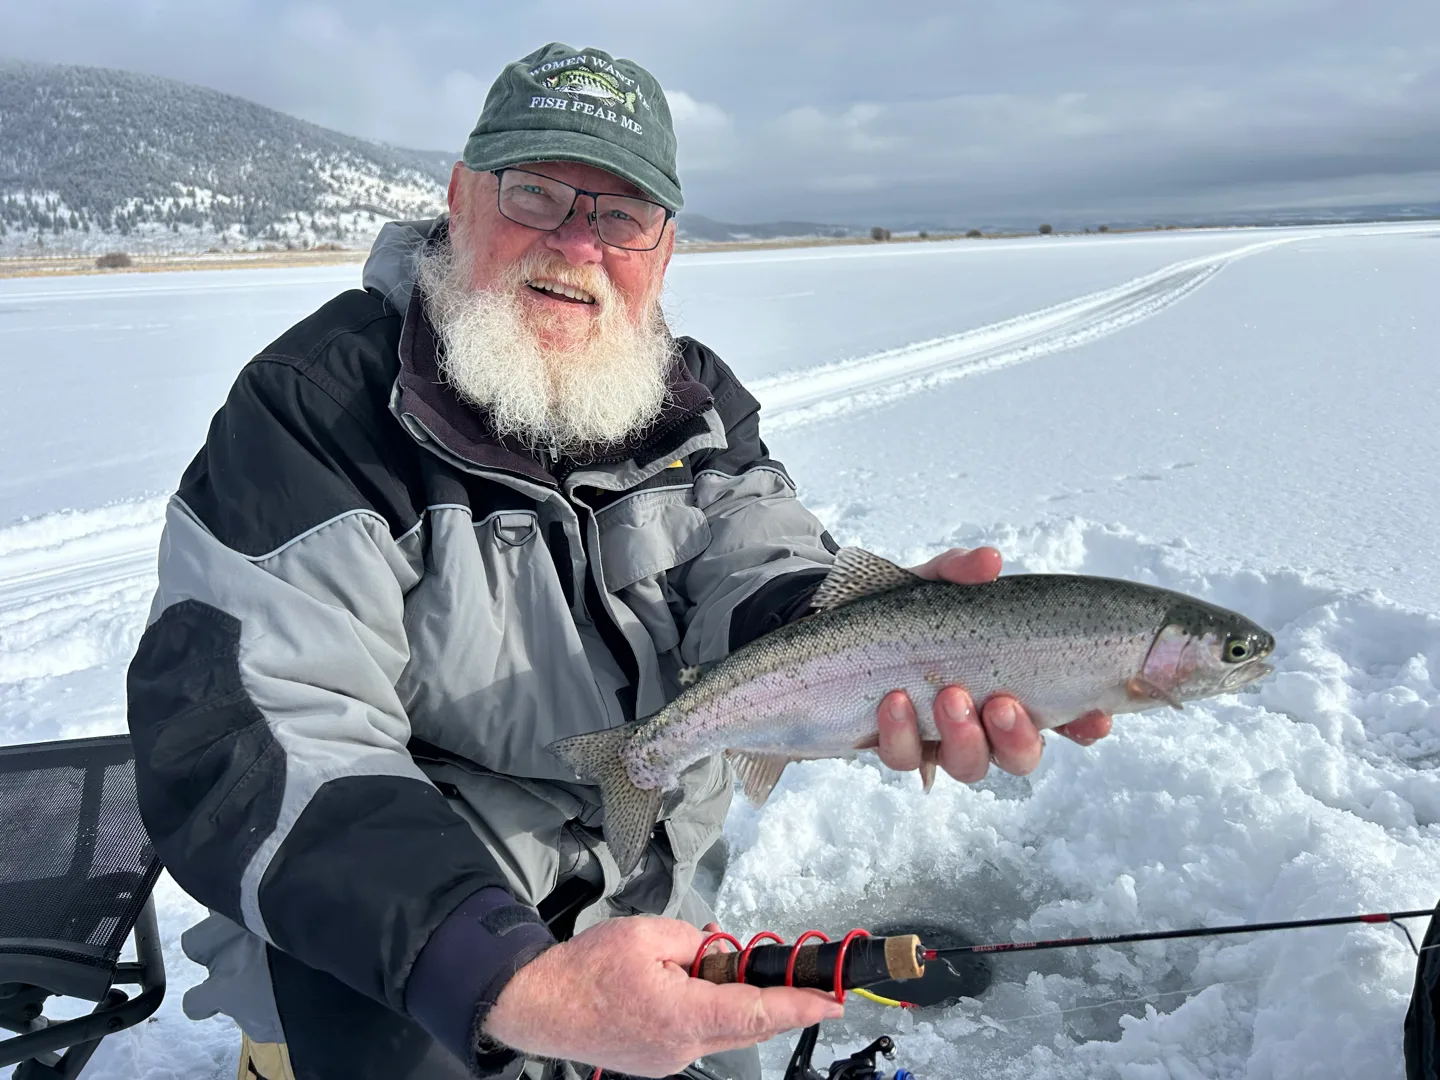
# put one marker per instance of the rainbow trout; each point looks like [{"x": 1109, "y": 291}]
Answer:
[{"x": 1063, "y": 645}]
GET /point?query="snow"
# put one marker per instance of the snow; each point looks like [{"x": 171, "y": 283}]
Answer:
[{"x": 1249, "y": 416}]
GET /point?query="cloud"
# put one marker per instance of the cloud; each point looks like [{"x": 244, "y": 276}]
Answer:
[
  {"x": 858, "y": 130},
  {"x": 693, "y": 117},
  {"x": 704, "y": 134},
  {"x": 840, "y": 111}
]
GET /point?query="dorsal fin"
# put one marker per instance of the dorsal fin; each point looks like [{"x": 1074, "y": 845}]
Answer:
[{"x": 858, "y": 573}]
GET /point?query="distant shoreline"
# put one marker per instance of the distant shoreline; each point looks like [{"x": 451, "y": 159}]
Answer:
[
  {"x": 69, "y": 265},
  {"x": 25, "y": 266}
]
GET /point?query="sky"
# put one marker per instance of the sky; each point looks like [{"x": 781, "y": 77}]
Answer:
[{"x": 862, "y": 112}]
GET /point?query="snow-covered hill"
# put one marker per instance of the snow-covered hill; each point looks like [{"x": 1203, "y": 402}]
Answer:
[{"x": 96, "y": 160}]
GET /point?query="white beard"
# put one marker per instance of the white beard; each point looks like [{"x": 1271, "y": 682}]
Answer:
[{"x": 594, "y": 393}]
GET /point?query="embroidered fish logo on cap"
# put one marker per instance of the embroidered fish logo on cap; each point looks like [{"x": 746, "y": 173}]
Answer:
[{"x": 584, "y": 82}]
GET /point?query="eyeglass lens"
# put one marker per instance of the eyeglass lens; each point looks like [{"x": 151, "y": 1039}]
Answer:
[{"x": 542, "y": 203}]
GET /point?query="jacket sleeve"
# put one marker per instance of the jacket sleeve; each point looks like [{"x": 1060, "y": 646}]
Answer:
[
  {"x": 271, "y": 760},
  {"x": 767, "y": 553}
]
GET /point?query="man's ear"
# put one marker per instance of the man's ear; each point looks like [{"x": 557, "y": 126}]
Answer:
[{"x": 457, "y": 182}]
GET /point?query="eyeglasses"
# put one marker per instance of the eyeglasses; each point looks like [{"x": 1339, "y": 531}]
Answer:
[{"x": 539, "y": 202}]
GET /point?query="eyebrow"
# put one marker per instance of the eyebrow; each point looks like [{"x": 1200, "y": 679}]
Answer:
[{"x": 633, "y": 193}]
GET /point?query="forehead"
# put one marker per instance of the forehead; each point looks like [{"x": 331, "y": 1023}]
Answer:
[{"x": 584, "y": 176}]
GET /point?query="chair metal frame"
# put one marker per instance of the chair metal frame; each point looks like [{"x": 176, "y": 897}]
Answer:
[{"x": 30, "y": 973}]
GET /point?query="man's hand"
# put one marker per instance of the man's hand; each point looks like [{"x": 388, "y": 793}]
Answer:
[
  {"x": 619, "y": 995},
  {"x": 1001, "y": 731}
]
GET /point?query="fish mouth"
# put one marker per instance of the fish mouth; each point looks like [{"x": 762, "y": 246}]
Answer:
[{"x": 1243, "y": 676}]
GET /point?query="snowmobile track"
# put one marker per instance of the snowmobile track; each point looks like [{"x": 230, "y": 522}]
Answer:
[{"x": 816, "y": 393}]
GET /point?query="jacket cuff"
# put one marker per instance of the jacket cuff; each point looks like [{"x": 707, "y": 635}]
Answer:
[
  {"x": 779, "y": 601},
  {"x": 469, "y": 959}
]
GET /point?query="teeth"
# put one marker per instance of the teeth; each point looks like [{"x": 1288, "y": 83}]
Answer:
[{"x": 563, "y": 290}]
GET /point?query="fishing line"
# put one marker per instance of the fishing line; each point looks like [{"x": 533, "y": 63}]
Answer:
[{"x": 1376, "y": 918}]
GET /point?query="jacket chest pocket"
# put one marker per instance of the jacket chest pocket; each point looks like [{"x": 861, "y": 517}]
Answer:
[{"x": 641, "y": 537}]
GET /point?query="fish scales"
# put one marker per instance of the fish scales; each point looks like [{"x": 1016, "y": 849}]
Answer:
[
  {"x": 1063, "y": 645},
  {"x": 814, "y": 685}
]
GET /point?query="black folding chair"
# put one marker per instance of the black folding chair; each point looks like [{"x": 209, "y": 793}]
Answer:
[{"x": 76, "y": 870}]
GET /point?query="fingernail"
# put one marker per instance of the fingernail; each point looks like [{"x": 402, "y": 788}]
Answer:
[
  {"x": 895, "y": 710},
  {"x": 1002, "y": 716},
  {"x": 958, "y": 707}
]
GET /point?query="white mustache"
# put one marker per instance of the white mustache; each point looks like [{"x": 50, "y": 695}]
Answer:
[{"x": 595, "y": 392}]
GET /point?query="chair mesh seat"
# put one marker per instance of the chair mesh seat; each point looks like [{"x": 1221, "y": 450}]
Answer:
[{"x": 76, "y": 865}]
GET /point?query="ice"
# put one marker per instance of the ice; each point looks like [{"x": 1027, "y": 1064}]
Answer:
[{"x": 1249, "y": 416}]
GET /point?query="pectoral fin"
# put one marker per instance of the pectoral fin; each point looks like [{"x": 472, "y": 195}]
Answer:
[{"x": 1142, "y": 689}]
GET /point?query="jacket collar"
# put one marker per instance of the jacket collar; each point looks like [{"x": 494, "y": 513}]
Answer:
[{"x": 431, "y": 410}]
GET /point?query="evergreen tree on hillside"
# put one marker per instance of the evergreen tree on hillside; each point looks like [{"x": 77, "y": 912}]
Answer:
[{"x": 79, "y": 144}]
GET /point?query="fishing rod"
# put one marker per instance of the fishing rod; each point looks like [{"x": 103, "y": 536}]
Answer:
[{"x": 860, "y": 960}]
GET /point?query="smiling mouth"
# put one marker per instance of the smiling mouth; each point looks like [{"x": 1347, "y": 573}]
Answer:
[{"x": 557, "y": 291}]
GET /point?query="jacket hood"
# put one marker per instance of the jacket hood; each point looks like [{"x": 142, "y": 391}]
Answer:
[{"x": 390, "y": 269}]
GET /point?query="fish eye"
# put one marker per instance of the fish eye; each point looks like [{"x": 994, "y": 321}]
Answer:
[{"x": 1238, "y": 649}]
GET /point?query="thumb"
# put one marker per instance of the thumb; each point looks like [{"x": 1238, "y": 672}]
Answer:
[
  {"x": 962, "y": 567},
  {"x": 742, "y": 1014},
  {"x": 786, "y": 1007}
]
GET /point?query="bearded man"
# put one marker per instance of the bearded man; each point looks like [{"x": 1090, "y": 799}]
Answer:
[{"x": 483, "y": 504}]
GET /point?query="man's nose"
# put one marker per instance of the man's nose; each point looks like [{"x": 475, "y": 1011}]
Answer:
[{"x": 578, "y": 239}]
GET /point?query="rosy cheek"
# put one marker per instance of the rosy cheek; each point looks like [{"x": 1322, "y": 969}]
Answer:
[{"x": 1171, "y": 658}]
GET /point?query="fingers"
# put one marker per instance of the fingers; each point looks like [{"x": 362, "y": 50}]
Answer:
[
  {"x": 962, "y": 567},
  {"x": 964, "y": 749},
  {"x": 1001, "y": 731},
  {"x": 1014, "y": 741},
  {"x": 1088, "y": 730},
  {"x": 899, "y": 733},
  {"x": 969, "y": 739}
]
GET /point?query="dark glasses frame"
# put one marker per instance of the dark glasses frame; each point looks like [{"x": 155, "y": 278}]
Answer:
[{"x": 592, "y": 217}]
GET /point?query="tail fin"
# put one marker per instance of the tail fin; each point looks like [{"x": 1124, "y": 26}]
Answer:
[{"x": 630, "y": 811}]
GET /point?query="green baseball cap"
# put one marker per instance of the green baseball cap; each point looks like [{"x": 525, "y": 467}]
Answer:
[{"x": 564, "y": 104}]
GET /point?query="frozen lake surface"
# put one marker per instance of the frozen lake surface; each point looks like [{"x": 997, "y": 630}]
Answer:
[{"x": 1250, "y": 416}]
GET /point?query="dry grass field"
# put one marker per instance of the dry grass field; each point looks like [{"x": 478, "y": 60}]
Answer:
[{"x": 58, "y": 265}]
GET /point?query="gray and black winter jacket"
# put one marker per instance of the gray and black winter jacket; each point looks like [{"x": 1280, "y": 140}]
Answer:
[{"x": 374, "y": 615}]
